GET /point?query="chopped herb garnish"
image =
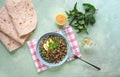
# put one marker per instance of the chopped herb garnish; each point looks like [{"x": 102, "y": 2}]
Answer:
[{"x": 53, "y": 45}]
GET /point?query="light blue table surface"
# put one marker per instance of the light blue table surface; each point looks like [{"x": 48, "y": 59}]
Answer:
[{"x": 105, "y": 34}]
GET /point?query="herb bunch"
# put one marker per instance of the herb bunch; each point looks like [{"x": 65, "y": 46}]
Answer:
[{"x": 80, "y": 20}]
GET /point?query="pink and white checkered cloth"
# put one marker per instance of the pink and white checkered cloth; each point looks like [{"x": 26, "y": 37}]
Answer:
[{"x": 69, "y": 34}]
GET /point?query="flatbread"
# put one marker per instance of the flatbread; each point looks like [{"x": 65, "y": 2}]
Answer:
[
  {"x": 7, "y": 27},
  {"x": 23, "y": 15},
  {"x": 9, "y": 43}
]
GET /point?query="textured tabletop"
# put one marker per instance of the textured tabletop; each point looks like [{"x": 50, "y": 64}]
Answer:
[{"x": 105, "y": 33}]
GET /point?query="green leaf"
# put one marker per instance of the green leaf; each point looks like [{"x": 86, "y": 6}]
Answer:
[
  {"x": 80, "y": 27},
  {"x": 75, "y": 7},
  {"x": 82, "y": 22},
  {"x": 66, "y": 12},
  {"x": 89, "y": 18},
  {"x": 89, "y": 14},
  {"x": 88, "y": 7},
  {"x": 92, "y": 20},
  {"x": 86, "y": 21}
]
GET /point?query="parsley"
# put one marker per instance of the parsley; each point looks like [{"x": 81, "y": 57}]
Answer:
[
  {"x": 52, "y": 46},
  {"x": 80, "y": 20}
]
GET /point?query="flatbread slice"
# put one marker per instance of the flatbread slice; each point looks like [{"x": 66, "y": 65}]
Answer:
[
  {"x": 9, "y": 43},
  {"x": 23, "y": 15},
  {"x": 7, "y": 27}
]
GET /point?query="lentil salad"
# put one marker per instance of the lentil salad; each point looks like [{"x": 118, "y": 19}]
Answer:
[{"x": 53, "y": 48}]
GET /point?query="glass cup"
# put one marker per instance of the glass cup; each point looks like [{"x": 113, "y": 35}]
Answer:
[{"x": 87, "y": 42}]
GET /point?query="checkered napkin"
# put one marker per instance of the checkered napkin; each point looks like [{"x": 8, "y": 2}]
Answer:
[{"x": 68, "y": 33}]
